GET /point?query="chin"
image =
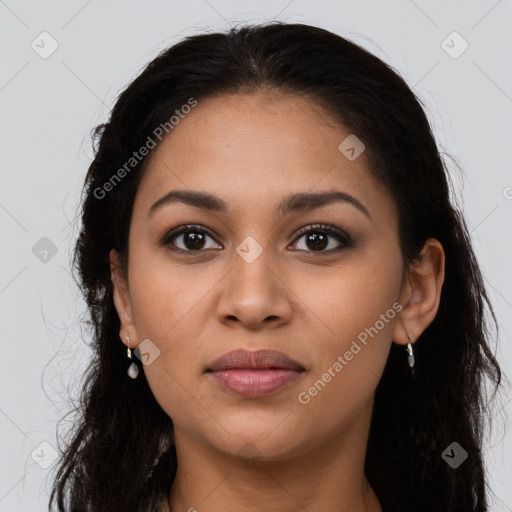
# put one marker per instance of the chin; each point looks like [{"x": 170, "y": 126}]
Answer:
[{"x": 263, "y": 443}]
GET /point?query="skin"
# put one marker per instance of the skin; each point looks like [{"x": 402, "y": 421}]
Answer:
[{"x": 252, "y": 150}]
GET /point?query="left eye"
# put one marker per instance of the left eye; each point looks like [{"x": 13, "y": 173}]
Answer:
[{"x": 316, "y": 238}]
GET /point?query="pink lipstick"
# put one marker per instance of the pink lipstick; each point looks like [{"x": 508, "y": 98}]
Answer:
[{"x": 255, "y": 374}]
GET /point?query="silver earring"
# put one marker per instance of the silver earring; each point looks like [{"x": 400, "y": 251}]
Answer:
[
  {"x": 410, "y": 354},
  {"x": 133, "y": 369}
]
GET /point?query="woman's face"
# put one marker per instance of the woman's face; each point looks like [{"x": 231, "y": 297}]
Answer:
[{"x": 255, "y": 283}]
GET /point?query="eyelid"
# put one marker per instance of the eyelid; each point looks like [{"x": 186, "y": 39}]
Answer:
[
  {"x": 325, "y": 228},
  {"x": 169, "y": 235},
  {"x": 341, "y": 236}
]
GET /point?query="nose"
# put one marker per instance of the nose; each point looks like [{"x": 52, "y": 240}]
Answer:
[{"x": 254, "y": 296}]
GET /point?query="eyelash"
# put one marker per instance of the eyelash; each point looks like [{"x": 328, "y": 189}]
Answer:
[{"x": 344, "y": 239}]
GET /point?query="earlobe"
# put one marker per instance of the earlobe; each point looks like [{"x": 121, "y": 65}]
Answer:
[{"x": 421, "y": 293}]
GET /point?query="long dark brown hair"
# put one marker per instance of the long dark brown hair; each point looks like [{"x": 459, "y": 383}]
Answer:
[{"x": 121, "y": 455}]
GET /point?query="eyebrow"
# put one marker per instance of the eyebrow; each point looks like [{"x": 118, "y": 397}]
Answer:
[{"x": 302, "y": 201}]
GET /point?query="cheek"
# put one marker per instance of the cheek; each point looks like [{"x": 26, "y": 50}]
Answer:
[
  {"x": 172, "y": 319},
  {"x": 167, "y": 295},
  {"x": 173, "y": 376},
  {"x": 354, "y": 318},
  {"x": 168, "y": 309},
  {"x": 351, "y": 298}
]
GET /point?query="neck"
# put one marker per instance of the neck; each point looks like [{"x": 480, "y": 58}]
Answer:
[{"x": 327, "y": 476}]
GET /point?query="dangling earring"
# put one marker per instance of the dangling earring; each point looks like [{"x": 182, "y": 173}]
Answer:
[
  {"x": 410, "y": 354},
  {"x": 133, "y": 369}
]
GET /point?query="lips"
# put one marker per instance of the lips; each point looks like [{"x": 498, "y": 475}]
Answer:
[
  {"x": 254, "y": 374},
  {"x": 258, "y": 360}
]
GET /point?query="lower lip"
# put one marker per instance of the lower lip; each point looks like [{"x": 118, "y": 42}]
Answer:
[{"x": 255, "y": 383}]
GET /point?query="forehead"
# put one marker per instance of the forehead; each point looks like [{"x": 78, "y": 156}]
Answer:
[{"x": 258, "y": 147}]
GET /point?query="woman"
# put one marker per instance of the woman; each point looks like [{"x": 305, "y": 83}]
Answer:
[{"x": 267, "y": 220}]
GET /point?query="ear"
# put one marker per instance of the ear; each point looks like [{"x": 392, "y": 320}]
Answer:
[
  {"x": 122, "y": 301},
  {"x": 421, "y": 293}
]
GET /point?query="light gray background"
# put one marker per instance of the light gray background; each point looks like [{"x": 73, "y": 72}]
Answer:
[{"x": 48, "y": 107}]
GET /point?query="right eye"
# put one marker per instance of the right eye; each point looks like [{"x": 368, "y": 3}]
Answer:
[{"x": 193, "y": 239}]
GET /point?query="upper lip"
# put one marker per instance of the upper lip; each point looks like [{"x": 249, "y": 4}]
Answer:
[{"x": 260, "y": 359}]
